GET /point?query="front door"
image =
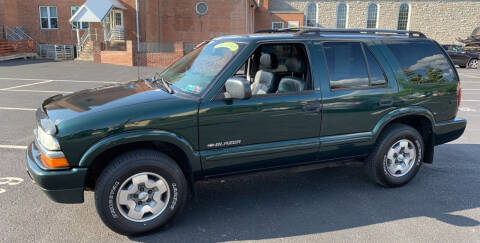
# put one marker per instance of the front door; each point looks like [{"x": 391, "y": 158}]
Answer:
[
  {"x": 270, "y": 129},
  {"x": 117, "y": 19}
]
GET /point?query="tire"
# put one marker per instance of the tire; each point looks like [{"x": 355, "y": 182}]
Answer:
[
  {"x": 473, "y": 63},
  {"x": 141, "y": 178},
  {"x": 387, "y": 165}
]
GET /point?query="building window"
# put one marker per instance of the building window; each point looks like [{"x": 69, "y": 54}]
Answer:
[
  {"x": 78, "y": 25},
  {"x": 277, "y": 25},
  {"x": 372, "y": 15},
  {"x": 403, "y": 13},
  {"x": 342, "y": 14},
  {"x": 48, "y": 17},
  {"x": 311, "y": 15}
]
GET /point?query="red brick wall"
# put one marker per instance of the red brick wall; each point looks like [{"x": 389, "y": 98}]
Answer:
[
  {"x": 264, "y": 18},
  {"x": 129, "y": 19},
  {"x": 115, "y": 57},
  {"x": 130, "y": 57},
  {"x": 27, "y": 14},
  {"x": 8, "y": 12},
  {"x": 172, "y": 21},
  {"x": 161, "y": 59}
]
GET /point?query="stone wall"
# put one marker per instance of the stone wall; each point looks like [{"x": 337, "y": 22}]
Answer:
[{"x": 443, "y": 21}]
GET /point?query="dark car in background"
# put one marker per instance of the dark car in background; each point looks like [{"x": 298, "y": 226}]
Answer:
[{"x": 461, "y": 57}]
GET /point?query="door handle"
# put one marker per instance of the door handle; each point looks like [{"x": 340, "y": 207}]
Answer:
[
  {"x": 312, "y": 107},
  {"x": 386, "y": 102}
]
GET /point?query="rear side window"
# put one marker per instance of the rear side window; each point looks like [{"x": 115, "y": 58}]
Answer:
[
  {"x": 347, "y": 66},
  {"x": 422, "y": 61},
  {"x": 377, "y": 76}
]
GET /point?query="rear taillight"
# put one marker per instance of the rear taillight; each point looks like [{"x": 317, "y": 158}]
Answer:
[{"x": 459, "y": 94}]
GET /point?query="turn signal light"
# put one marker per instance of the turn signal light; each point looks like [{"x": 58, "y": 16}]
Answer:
[{"x": 54, "y": 163}]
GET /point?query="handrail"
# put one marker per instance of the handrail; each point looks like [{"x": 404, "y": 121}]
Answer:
[
  {"x": 16, "y": 33},
  {"x": 84, "y": 39},
  {"x": 116, "y": 34},
  {"x": 20, "y": 31}
]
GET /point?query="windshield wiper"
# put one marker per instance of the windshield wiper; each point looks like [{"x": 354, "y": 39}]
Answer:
[
  {"x": 166, "y": 84},
  {"x": 162, "y": 80}
]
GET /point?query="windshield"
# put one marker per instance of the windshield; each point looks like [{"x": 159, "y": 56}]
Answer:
[{"x": 196, "y": 70}]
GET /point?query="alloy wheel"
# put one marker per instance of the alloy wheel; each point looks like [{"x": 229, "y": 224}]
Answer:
[
  {"x": 143, "y": 196},
  {"x": 474, "y": 63},
  {"x": 400, "y": 158}
]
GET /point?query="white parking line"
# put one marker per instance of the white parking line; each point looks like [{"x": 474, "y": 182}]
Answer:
[
  {"x": 39, "y": 91},
  {"x": 471, "y": 76},
  {"x": 13, "y": 147},
  {"x": 24, "y": 85},
  {"x": 60, "y": 80},
  {"x": 17, "y": 109}
]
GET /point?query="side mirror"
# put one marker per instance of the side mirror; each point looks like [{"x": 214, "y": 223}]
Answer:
[{"x": 238, "y": 88}]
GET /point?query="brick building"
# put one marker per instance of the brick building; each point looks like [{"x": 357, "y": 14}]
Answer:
[
  {"x": 157, "y": 32},
  {"x": 26, "y": 13}
]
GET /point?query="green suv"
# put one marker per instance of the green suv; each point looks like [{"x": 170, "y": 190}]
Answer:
[{"x": 247, "y": 103}]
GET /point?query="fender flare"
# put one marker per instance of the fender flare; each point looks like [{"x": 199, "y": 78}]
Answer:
[
  {"x": 142, "y": 136},
  {"x": 398, "y": 113}
]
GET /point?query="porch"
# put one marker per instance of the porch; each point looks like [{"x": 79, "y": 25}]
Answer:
[{"x": 106, "y": 25}]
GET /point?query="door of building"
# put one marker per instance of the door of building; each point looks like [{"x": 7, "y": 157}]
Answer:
[{"x": 117, "y": 19}]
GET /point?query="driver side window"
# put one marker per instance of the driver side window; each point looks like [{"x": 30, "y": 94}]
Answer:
[
  {"x": 276, "y": 69},
  {"x": 457, "y": 49}
]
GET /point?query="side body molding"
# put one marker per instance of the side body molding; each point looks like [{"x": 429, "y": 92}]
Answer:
[{"x": 143, "y": 136}]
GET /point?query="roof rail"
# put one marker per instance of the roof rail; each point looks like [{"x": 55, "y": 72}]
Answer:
[
  {"x": 284, "y": 30},
  {"x": 315, "y": 30},
  {"x": 411, "y": 34}
]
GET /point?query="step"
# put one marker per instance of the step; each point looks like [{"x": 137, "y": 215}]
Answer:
[
  {"x": 18, "y": 56},
  {"x": 89, "y": 59}
]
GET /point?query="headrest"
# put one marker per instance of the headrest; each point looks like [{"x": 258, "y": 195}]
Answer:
[
  {"x": 268, "y": 60},
  {"x": 288, "y": 84},
  {"x": 295, "y": 65}
]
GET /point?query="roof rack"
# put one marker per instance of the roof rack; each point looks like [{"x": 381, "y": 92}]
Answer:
[
  {"x": 316, "y": 30},
  {"x": 285, "y": 30}
]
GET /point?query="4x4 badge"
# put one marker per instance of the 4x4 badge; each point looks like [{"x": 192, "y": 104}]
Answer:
[{"x": 224, "y": 144}]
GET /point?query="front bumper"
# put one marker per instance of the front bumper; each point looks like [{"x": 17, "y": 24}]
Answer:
[
  {"x": 449, "y": 130},
  {"x": 63, "y": 186}
]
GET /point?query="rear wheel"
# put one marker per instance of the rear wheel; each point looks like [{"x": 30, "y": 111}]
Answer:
[
  {"x": 473, "y": 63},
  {"x": 397, "y": 156},
  {"x": 140, "y": 191}
]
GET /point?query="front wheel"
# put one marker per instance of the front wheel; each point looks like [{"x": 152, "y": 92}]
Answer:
[
  {"x": 397, "y": 156},
  {"x": 473, "y": 63},
  {"x": 140, "y": 191}
]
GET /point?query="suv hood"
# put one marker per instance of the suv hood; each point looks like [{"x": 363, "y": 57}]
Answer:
[{"x": 64, "y": 107}]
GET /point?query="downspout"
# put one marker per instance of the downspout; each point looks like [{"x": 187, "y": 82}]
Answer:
[
  {"x": 138, "y": 26},
  {"x": 246, "y": 16}
]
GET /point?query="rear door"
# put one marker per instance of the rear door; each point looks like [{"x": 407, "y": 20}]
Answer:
[
  {"x": 453, "y": 55},
  {"x": 356, "y": 95},
  {"x": 462, "y": 57}
]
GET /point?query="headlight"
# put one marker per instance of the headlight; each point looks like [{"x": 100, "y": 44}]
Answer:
[{"x": 46, "y": 140}]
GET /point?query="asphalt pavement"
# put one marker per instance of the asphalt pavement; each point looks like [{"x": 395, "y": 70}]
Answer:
[{"x": 309, "y": 204}]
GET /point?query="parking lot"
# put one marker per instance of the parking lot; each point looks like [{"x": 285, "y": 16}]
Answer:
[{"x": 442, "y": 204}]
